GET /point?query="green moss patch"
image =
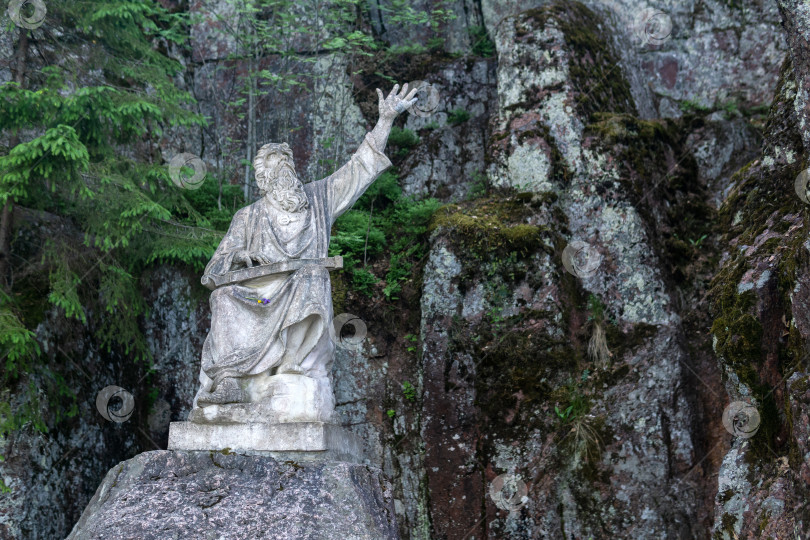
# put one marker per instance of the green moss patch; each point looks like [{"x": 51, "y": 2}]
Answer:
[{"x": 491, "y": 227}]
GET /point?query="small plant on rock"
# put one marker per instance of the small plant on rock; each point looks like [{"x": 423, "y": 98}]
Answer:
[
  {"x": 458, "y": 116},
  {"x": 409, "y": 391},
  {"x": 481, "y": 44},
  {"x": 583, "y": 439},
  {"x": 403, "y": 139},
  {"x": 598, "y": 350}
]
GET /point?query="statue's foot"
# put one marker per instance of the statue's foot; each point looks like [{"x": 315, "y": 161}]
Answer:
[
  {"x": 228, "y": 391},
  {"x": 290, "y": 368}
]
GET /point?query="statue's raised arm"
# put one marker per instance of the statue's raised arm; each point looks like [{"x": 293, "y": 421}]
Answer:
[{"x": 350, "y": 181}]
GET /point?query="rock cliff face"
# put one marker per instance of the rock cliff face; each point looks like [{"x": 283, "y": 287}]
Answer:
[{"x": 669, "y": 142}]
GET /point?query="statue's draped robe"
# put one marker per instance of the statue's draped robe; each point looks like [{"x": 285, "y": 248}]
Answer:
[{"x": 252, "y": 321}]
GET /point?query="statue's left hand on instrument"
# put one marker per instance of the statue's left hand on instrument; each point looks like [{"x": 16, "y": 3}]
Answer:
[{"x": 248, "y": 258}]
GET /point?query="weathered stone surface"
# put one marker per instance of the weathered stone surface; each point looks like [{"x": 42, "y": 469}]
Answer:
[
  {"x": 796, "y": 17},
  {"x": 717, "y": 52},
  {"x": 760, "y": 332},
  {"x": 501, "y": 329},
  {"x": 452, "y": 156},
  {"x": 212, "y": 495}
]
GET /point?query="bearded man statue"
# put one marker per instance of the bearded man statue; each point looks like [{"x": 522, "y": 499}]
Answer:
[{"x": 271, "y": 345}]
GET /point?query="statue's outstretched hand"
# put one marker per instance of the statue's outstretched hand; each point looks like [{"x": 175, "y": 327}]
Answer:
[
  {"x": 396, "y": 102},
  {"x": 248, "y": 258}
]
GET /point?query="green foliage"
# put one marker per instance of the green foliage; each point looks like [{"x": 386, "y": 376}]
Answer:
[
  {"x": 690, "y": 106},
  {"x": 356, "y": 238},
  {"x": 403, "y": 139},
  {"x": 382, "y": 221},
  {"x": 458, "y": 116},
  {"x": 479, "y": 186},
  {"x": 57, "y": 155},
  {"x": 385, "y": 188},
  {"x": 410, "y": 219},
  {"x": 481, "y": 44},
  {"x": 596, "y": 309},
  {"x": 696, "y": 243},
  {"x": 18, "y": 343},
  {"x": 363, "y": 281},
  {"x": 403, "y": 13},
  {"x": 408, "y": 49},
  {"x": 409, "y": 391},
  {"x": 731, "y": 109},
  {"x": 69, "y": 166},
  {"x": 413, "y": 339},
  {"x": 563, "y": 414},
  {"x": 574, "y": 405}
]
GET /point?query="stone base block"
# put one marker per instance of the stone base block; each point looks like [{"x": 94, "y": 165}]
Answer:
[{"x": 294, "y": 440}]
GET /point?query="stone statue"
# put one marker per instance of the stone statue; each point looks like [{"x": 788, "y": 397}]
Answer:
[{"x": 269, "y": 353}]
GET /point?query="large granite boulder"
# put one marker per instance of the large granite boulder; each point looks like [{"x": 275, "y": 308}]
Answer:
[{"x": 222, "y": 495}]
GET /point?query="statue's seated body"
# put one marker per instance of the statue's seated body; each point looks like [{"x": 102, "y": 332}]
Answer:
[{"x": 269, "y": 353}]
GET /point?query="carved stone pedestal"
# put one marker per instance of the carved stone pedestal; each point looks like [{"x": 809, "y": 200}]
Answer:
[
  {"x": 289, "y": 398},
  {"x": 296, "y": 420},
  {"x": 298, "y": 441}
]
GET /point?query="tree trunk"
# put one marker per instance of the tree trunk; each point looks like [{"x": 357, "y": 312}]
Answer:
[
  {"x": 7, "y": 215},
  {"x": 251, "y": 126}
]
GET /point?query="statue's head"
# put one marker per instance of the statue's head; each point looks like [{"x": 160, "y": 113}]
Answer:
[{"x": 275, "y": 176}]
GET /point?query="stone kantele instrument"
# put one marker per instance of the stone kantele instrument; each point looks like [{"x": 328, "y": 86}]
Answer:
[{"x": 212, "y": 281}]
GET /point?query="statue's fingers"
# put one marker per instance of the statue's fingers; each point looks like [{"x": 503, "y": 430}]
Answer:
[
  {"x": 404, "y": 90},
  {"x": 380, "y": 98},
  {"x": 394, "y": 91},
  {"x": 411, "y": 94}
]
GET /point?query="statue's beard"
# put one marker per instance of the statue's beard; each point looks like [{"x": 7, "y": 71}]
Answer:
[{"x": 287, "y": 190}]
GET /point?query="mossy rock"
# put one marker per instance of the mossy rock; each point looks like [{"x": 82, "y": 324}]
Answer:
[
  {"x": 492, "y": 227},
  {"x": 593, "y": 65}
]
